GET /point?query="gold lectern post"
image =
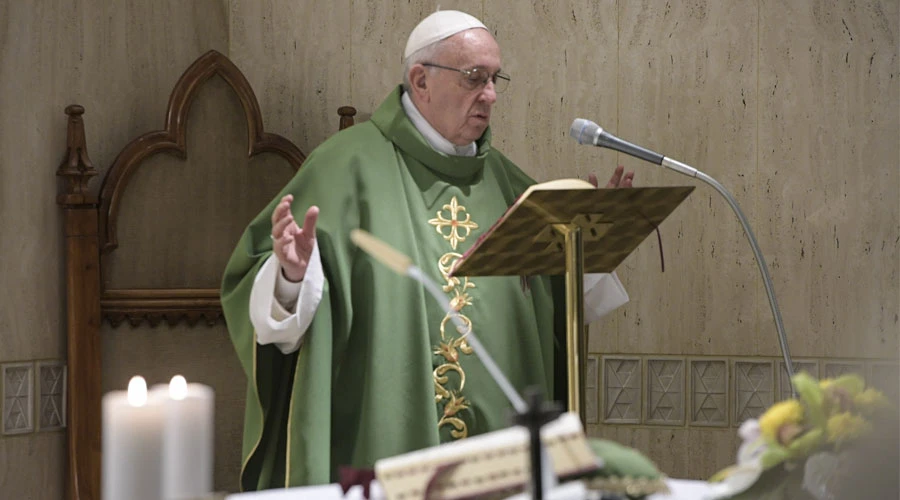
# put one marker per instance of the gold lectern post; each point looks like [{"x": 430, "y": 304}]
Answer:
[
  {"x": 570, "y": 230},
  {"x": 575, "y": 341}
]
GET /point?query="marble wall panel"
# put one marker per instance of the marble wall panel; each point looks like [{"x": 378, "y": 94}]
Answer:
[
  {"x": 708, "y": 386},
  {"x": 297, "y": 57},
  {"x": 784, "y": 381},
  {"x": 665, "y": 391},
  {"x": 622, "y": 400},
  {"x": 754, "y": 389},
  {"x": 563, "y": 67},
  {"x": 50, "y": 392},
  {"x": 592, "y": 390},
  {"x": 829, "y": 176},
  {"x": 33, "y": 466},
  {"x": 687, "y": 78}
]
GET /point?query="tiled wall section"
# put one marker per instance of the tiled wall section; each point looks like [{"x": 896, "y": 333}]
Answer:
[
  {"x": 33, "y": 395},
  {"x": 706, "y": 391}
]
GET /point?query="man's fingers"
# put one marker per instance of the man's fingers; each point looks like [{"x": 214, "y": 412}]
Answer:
[
  {"x": 627, "y": 180},
  {"x": 592, "y": 178},
  {"x": 616, "y": 178},
  {"x": 282, "y": 209},
  {"x": 280, "y": 225},
  {"x": 309, "y": 223}
]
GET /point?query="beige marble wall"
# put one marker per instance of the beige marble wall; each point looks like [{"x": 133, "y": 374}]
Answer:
[
  {"x": 119, "y": 60},
  {"x": 793, "y": 108},
  {"x": 744, "y": 91}
]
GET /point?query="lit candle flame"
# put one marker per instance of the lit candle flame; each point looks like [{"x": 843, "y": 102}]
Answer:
[
  {"x": 178, "y": 388},
  {"x": 137, "y": 391}
]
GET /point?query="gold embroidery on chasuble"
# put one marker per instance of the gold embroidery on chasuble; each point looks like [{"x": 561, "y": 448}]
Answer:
[
  {"x": 453, "y": 223},
  {"x": 454, "y": 229}
]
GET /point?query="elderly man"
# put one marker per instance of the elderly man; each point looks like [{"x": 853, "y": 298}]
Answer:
[{"x": 347, "y": 362}]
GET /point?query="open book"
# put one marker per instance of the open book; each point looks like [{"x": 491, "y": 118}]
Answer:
[
  {"x": 489, "y": 463},
  {"x": 526, "y": 239}
]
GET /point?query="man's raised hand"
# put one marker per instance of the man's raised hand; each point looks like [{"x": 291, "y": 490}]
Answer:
[{"x": 292, "y": 244}]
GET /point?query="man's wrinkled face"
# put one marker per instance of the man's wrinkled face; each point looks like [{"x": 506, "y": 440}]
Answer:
[{"x": 461, "y": 113}]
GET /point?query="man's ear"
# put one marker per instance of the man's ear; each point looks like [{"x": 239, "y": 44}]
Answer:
[{"x": 418, "y": 81}]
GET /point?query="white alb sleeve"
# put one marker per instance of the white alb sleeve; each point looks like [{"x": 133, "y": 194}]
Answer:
[
  {"x": 603, "y": 292},
  {"x": 285, "y": 325}
]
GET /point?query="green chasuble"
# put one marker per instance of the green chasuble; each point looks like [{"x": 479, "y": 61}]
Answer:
[{"x": 381, "y": 370}]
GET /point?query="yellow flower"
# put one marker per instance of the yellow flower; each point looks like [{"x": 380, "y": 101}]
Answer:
[
  {"x": 850, "y": 383},
  {"x": 846, "y": 426},
  {"x": 826, "y": 383},
  {"x": 869, "y": 401},
  {"x": 781, "y": 414}
]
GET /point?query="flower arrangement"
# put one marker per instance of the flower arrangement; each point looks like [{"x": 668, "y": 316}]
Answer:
[{"x": 803, "y": 448}]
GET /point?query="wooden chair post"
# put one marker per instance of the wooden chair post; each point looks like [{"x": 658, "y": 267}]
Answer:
[{"x": 83, "y": 405}]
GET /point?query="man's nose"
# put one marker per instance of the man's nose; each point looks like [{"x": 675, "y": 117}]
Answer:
[{"x": 488, "y": 93}]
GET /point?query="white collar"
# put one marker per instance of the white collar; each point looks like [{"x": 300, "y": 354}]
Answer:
[{"x": 438, "y": 142}]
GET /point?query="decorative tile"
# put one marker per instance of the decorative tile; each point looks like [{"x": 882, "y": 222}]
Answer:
[
  {"x": 754, "y": 389},
  {"x": 834, "y": 369},
  {"x": 621, "y": 390},
  {"x": 885, "y": 376},
  {"x": 709, "y": 392},
  {"x": 18, "y": 398},
  {"x": 591, "y": 395},
  {"x": 809, "y": 366},
  {"x": 665, "y": 391},
  {"x": 52, "y": 395}
]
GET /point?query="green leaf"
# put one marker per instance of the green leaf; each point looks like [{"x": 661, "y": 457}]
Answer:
[
  {"x": 807, "y": 443},
  {"x": 851, "y": 382},
  {"x": 774, "y": 455},
  {"x": 812, "y": 396}
]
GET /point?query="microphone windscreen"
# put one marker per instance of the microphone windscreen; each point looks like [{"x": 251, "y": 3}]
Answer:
[{"x": 583, "y": 131}]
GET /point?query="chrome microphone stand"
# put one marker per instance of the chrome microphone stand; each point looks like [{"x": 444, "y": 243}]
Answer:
[{"x": 588, "y": 132}]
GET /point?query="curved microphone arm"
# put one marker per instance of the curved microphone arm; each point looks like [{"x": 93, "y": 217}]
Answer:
[
  {"x": 588, "y": 132},
  {"x": 760, "y": 260}
]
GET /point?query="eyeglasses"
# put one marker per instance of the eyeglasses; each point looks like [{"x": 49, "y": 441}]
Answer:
[{"x": 477, "y": 78}]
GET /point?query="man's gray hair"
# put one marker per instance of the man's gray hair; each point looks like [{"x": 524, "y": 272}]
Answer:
[{"x": 426, "y": 54}]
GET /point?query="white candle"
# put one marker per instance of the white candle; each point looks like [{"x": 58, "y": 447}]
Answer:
[
  {"x": 132, "y": 443},
  {"x": 187, "y": 439}
]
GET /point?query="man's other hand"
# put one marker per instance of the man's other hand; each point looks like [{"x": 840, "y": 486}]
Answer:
[
  {"x": 292, "y": 244},
  {"x": 618, "y": 179}
]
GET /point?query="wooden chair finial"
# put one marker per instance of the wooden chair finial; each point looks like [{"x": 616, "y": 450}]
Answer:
[
  {"x": 76, "y": 168},
  {"x": 347, "y": 113}
]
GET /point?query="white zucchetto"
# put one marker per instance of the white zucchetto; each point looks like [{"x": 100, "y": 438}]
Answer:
[{"x": 438, "y": 26}]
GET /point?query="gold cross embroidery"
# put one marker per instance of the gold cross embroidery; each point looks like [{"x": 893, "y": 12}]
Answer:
[{"x": 453, "y": 223}]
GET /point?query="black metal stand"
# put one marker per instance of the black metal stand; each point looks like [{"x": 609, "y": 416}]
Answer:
[{"x": 539, "y": 412}]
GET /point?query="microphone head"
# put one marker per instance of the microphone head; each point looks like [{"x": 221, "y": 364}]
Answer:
[{"x": 584, "y": 131}]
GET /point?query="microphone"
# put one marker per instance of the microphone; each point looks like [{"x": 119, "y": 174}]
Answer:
[{"x": 588, "y": 132}]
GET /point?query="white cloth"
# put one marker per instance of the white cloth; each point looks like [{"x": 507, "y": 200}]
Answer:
[
  {"x": 274, "y": 323},
  {"x": 679, "y": 489},
  {"x": 438, "y": 26},
  {"x": 603, "y": 293}
]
